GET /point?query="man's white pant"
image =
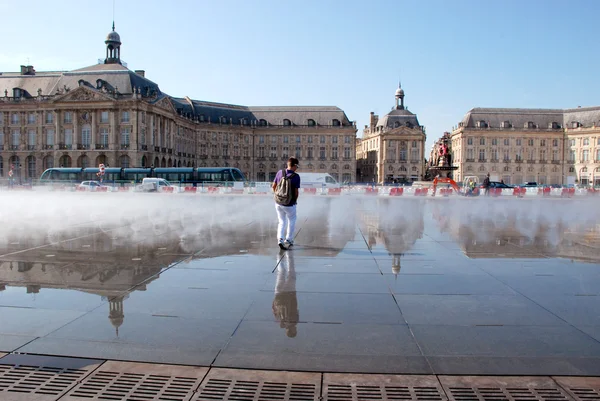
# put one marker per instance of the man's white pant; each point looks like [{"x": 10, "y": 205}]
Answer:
[{"x": 287, "y": 219}]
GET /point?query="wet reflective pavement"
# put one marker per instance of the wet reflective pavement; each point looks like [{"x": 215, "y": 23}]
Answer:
[{"x": 444, "y": 286}]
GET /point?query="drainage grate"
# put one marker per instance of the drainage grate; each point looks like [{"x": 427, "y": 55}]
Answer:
[
  {"x": 482, "y": 388},
  {"x": 119, "y": 381},
  {"x": 257, "y": 385},
  {"x": 29, "y": 377},
  {"x": 346, "y": 387},
  {"x": 581, "y": 388}
]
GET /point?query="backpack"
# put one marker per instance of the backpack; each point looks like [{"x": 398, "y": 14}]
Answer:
[{"x": 284, "y": 192}]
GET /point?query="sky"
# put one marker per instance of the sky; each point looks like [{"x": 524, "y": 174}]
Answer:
[{"x": 450, "y": 55}]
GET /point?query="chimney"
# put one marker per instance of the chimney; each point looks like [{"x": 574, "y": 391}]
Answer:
[
  {"x": 27, "y": 70},
  {"x": 141, "y": 73}
]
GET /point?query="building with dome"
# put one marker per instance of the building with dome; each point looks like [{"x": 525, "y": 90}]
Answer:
[
  {"x": 107, "y": 113},
  {"x": 392, "y": 147}
]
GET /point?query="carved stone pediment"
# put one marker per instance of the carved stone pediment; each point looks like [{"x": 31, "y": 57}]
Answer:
[
  {"x": 83, "y": 94},
  {"x": 166, "y": 104}
]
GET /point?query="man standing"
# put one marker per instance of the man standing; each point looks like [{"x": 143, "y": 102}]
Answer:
[
  {"x": 286, "y": 186},
  {"x": 486, "y": 184}
]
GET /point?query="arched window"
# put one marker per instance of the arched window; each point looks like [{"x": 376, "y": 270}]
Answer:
[
  {"x": 409, "y": 124},
  {"x": 469, "y": 168},
  {"x": 287, "y": 122},
  {"x": 311, "y": 122},
  {"x": 102, "y": 159},
  {"x": 396, "y": 124},
  {"x": 584, "y": 170},
  {"x": 506, "y": 124},
  {"x": 506, "y": 169},
  {"x": 65, "y": 161},
  {"x": 322, "y": 166},
  {"x": 179, "y": 163},
  {"x": 346, "y": 167},
  {"x": 143, "y": 161},
  {"x": 518, "y": 169},
  {"x": 263, "y": 123},
  {"x": 571, "y": 169},
  {"x": 335, "y": 122},
  {"x": 83, "y": 162},
  {"x": 170, "y": 163},
  {"x": 31, "y": 173},
  {"x": 334, "y": 167},
  {"x": 586, "y": 141},
  {"x": 163, "y": 162},
  {"x": 481, "y": 168},
  {"x": 86, "y": 136},
  {"x": 1, "y": 167},
  {"x": 414, "y": 168}
]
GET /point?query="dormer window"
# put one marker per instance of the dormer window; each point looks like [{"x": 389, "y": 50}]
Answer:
[
  {"x": 335, "y": 123},
  {"x": 506, "y": 124},
  {"x": 529, "y": 124},
  {"x": 409, "y": 124},
  {"x": 396, "y": 124},
  {"x": 482, "y": 124},
  {"x": 287, "y": 122},
  {"x": 201, "y": 117},
  {"x": 17, "y": 93},
  {"x": 311, "y": 122},
  {"x": 223, "y": 120},
  {"x": 554, "y": 125},
  {"x": 575, "y": 124},
  {"x": 263, "y": 122}
]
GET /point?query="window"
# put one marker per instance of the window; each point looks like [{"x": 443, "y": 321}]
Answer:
[
  {"x": 68, "y": 117},
  {"x": 311, "y": 122},
  {"x": 334, "y": 153},
  {"x": 68, "y": 137},
  {"x": 518, "y": 141},
  {"x": 506, "y": 142},
  {"x": 104, "y": 117},
  {"x": 31, "y": 118},
  {"x": 31, "y": 167},
  {"x": 335, "y": 123},
  {"x": 298, "y": 152},
  {"x": 346, "y": 153},
  {"x": 482, "y": 141},
  {"x": 310, "y": 152},
  {"x": 49, "y": 117},
  {"x": 261, "y": 151},
  {"x": 262, "y": 122},
  {"x": 273, "y": 139},
  {"x": 470, "y": 154},
  {"x": 414, "y": 144},
  {"x": 124, "y": 161},
  {"x": 555, "y": 142},
  {"x": 470, "y": 140},
  {"x": 571, "y": 142},
  {"x": 297, "y": 138},
  {"x": 585, "y": 155},
  {"x": 542, "y": 142},
  {"x": 506, "y": 156},
  {"x": 494, "y": 141},
  {"x": 286, "y": 152},
  {"x": 286, "y": 139},
  {"x": 414, "y": 155},
  {"x": 519, "y": 156},
  {"x": 261, "y": 139},
  {"x": 403, "y": 154},
  {"x": 555, "y": 155},
  {"x": 347, "y": 139},
  {"x": 104, "y": 137},
  {"x": 86, "y": 135},
  {"x": 225, "y": 150},
  {"x": 50, "y": 137},
  {"x": 494, "y": 154},
  {"x": 143, "y": 136},
  {"x": 542, "y": 154},
  {"x": 287, "y": 122},
  {"x": 481, "y": 154},
  {"x": 586, "y": 141},
  {"x": 334, "y": 139},
  {"x": 15, "y": 138},
  {"x": 1, "y": 118},
  {"x": 14, "y": 118},
  {"x": 322, "y": 152},
  {"x": 597, "y": 154},
  {"x": 572, "y": 156},
  {"x": 531, "y": 154},
  {"x": 125, "y": 132},
  {"x": 310, "y": 139},
  {"x": 530, "y": 142},
  {"x": 571, "y": 169},
  {"x": 273, "y": 151},
  {"x": 322, "y": 139},
  {"x": 31, "y": 139}
]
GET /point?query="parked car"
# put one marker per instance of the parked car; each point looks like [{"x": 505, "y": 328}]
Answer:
[
  {"x": 89, "y": 186},
  {"x": 497, "y": 184},
  {"x": 153, "y": 185}
]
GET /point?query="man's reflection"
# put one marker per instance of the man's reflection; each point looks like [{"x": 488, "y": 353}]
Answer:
[{"x": 285, "y": 303}]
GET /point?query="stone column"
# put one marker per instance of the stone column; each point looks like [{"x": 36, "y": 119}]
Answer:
[
  {"x": 113, "y": 129},
  {"x": 76, "y": 133},
  {"x": 94, "y": 129}
]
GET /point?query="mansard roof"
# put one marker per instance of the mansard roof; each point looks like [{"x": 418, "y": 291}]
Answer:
[
  {"x": 541, "y": 118},
  {"x": 398, "y": 118}
]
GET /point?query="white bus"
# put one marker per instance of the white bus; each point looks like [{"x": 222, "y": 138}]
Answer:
[{"x": 317, "y": 180}]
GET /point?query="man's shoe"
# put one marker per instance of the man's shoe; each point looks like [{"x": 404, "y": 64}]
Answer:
[
  {"x": 289, "y": 243},
  {"x": 281, "y": 244}
]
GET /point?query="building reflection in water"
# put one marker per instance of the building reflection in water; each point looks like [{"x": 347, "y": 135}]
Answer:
[{"x": 285, "y": 303}]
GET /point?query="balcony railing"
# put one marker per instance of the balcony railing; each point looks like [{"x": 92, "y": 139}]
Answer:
[
  {"x": 157, "y": 149},
  {"x": 14, "y": 147},
  {"x": 30, "y": 147},
  {"x": 82, "y": 146},
  {"x": 494, "y": 160},
  {"x": 48, "y": 147},
  {"x": 555, "y": 161},
  {"x": 179, "y": 154},
  {"x": 481, "y": 160},
  {"x": 246, "y": 157},
  {"x": 519, "y": 161},
  {"x": 470, "y": 160},
  {"x": 542, "y": 162},
  {"x": 163, "y": 150},
  {"x": 203, "y": 157},
  {"x": 273, "y": 158},
  {"x": 144, "y": 147},
  {"x": 101, "y": 146},
  {"x": 530, "y": 161},
  {"x": 258, "y": 159},
  {"x": 124, "y": 146},
  {"x": 170, "y": 151},
  {"x": 1, "y": 147},
  {"x": 236, "y": 158},
  {"x": 64, "y": 146}
]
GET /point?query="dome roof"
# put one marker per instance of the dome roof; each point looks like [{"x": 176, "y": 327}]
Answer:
[
  {"x": 399, "y": 92},
  {"x": 113, "y": 37}
]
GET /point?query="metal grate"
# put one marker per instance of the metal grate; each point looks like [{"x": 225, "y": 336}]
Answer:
[
  {"x": 482, "y": 388},
  {"x": 255, "y": 385},
  {"x": 581, "y": 388},
  {"x": 120, "y": 381},
  {"x": 346, "y": 387},
  {"x": 29, "y": 377}
]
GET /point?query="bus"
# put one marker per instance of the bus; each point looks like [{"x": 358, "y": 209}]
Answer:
[{"x": 190, "y": 176}]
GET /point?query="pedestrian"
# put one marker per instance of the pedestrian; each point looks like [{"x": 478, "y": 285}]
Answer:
[
  {"x": 286, "y": 187},
  {"x": 486, "y": 184}
]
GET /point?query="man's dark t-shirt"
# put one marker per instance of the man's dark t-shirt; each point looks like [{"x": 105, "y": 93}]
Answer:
[{"x": 295, "y": 181}]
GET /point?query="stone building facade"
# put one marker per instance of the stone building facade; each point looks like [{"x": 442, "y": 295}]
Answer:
[
  {"x": 547, "y": 146},
  {"x": 106, "y": 113},
  {"x": 392, "y": 148}
]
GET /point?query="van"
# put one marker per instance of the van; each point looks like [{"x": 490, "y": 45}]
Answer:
[
  {"x": 317, "y": 180},
  {"x": 153, "y": 185}
]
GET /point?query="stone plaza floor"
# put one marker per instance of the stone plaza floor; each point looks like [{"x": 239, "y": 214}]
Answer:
[{"x": 373, "y": 285}]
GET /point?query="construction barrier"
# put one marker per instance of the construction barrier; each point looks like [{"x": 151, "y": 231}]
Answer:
[
  {"x": 396, "y": 191},
  {"x": 310, "y": 191},
  {"x": 421, "y": 191},
  {"x": 371, "y": 191},
  {"x": 567, "y": 192},
  {"x": 445, "y": 192},
  {"x": 191, "y": 190},
  {"x": 334, "y": 191}
]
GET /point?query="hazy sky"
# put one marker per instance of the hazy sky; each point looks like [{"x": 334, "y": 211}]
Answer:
[{"x": 451, "y": 55}]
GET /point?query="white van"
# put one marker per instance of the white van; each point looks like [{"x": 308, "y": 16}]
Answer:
[
  {"x": 317, "y": 180},
  {"x": 153, "y": 185}
]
